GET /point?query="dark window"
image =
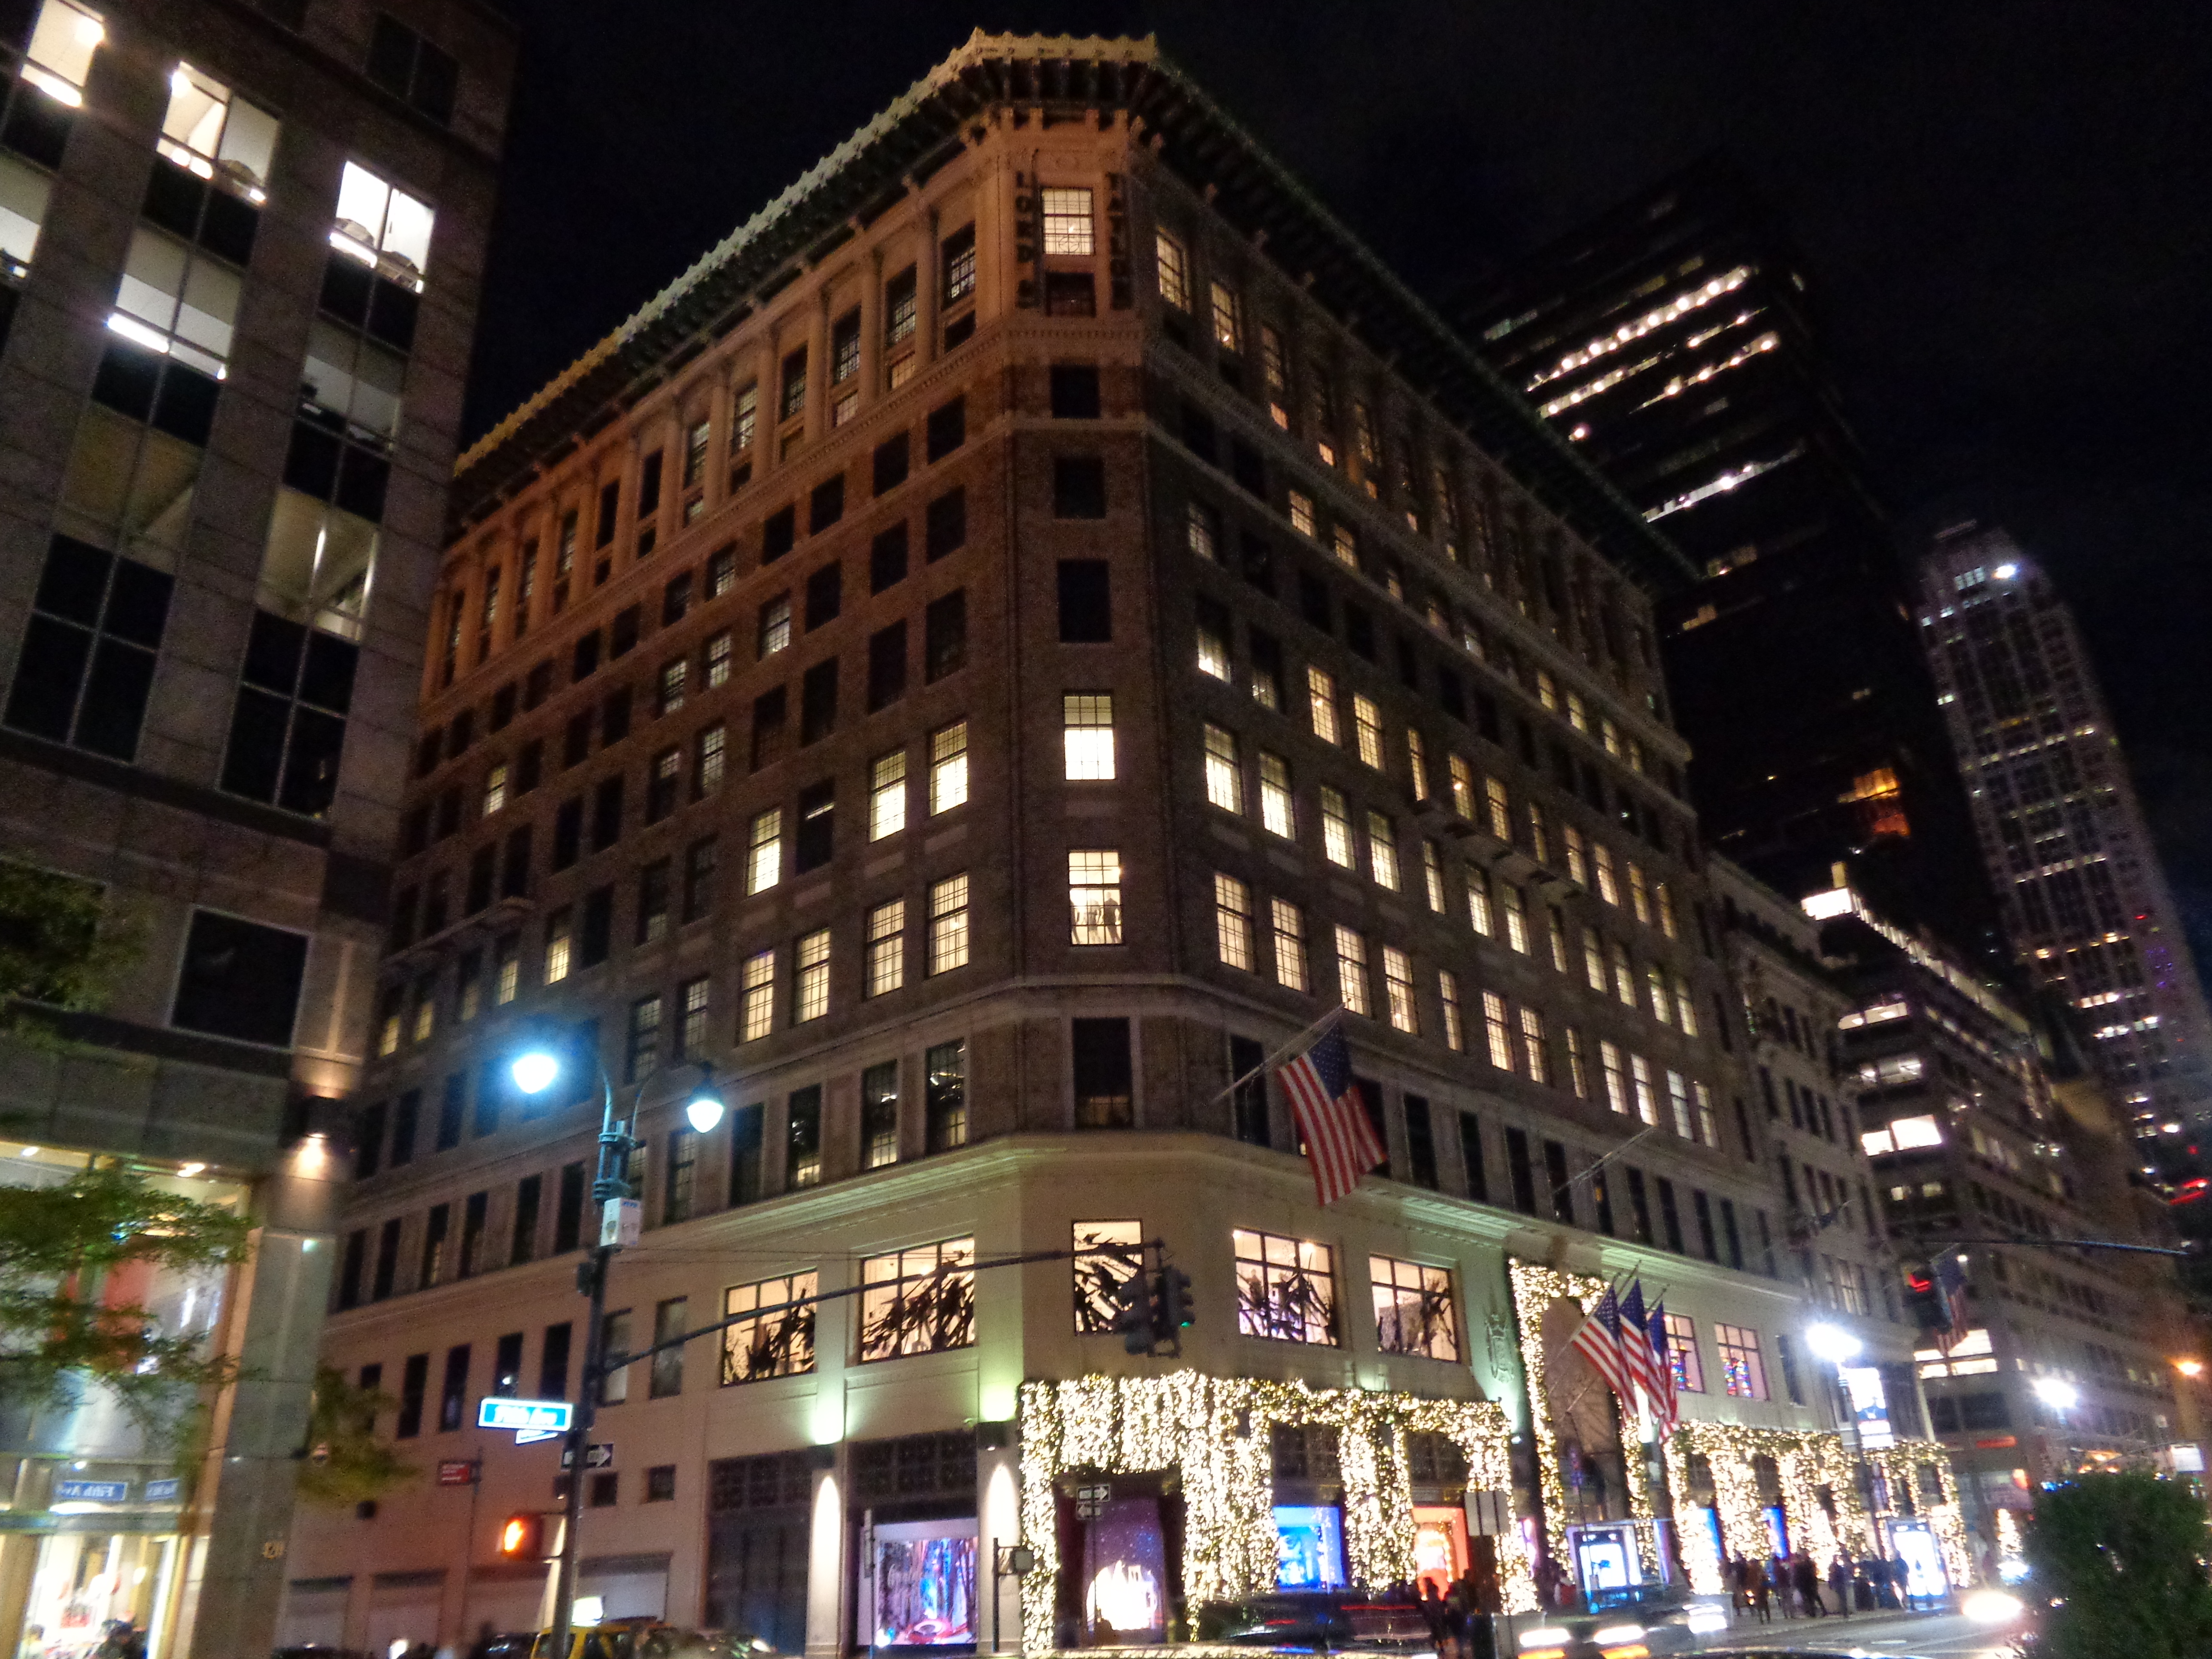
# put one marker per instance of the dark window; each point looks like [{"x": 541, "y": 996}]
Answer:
[
  {"x": 387, "y": 1262},
  {"x": 1732, "y": 1238},
  {"x": 699, "y": 878},
  {"x": 157, "y": 390},
  {"x": 414, "y": 1384},
  {"x": 587, "y": 662},
  {"x": 1086, "y": 608},
  {"x": 1246, "y": 467},
  {"x": 1103, "y": 1073},
  {"x": 664, "y": 784},
  {"x": 818, "y": 826},
  {"x": 652, "y": 883},
  {"x": 1070, "y": 294},
  {"x": 1471, "y": 1159},
  {"x": 622, "y": 633},
  {"x": 87, "y": 657},
  {"x": 529, "y": 1196},
  {"x": 435, "y": 1237},
  {"x": 352, "y": 1267},
  {"x": 1522, "y": 1172},
  {"x": 239, "y": 980},
  {"x": 945, "y": 635},
  {"x": 887, "y": 558},
  {"x": 1078, "y": 486},
  {"x": 409, "y": 68},
  {"x": 944, "y": 524},
  {"x": 609, "y": 504},
  {"x": 947, "y": 430},
  {"x": 779, "y": 533},
  {"x": 379, "y": 305},
  {"x": 369, "y": 1139},
  {"x": 569, "y": 1212},
  {"x": 827, "y": 505},
  {"x": 553, "y": 1356},
  {"x": 891, "y": 463},
  {"x": 1555, "y": 1176},
  {"x": 818, "y": 702},
  {"x": 1670, "y": 1219},
  {"x": 825, "y": 591},
  {"x": 1313, "y": 602},
  {"x": 676, "y": 600},
  {"x": 1359, "y": 631},
  {"x": 745, "y": 1153},
  {"x": 506, "y": 1366},
  {"x": 514, "y": 872},
  {"x": 1702, "y": 1207},
  {"x": 886, "y": 665},
  {"x": 596, "y": 934},
  {"x": 1421, "y": 1143},
  {"x": 660, "y": 1484},
  {"x": 1249, "y": 1101},
  {"x": 1197, "y": 432},
  {"x": 568, "y": 832},
  {"x": 649, "y": 485},
  {"x": 607, "y": 813},
  {"x": 803, "y": 1136},
  {"x": 477, "y": 895},
  {"x": 1075, "y": 392},
  {"x": 403, "y": 1122},
  {"x": 1639, "y": 1208},
  {"x": 793, "y": 400},
  {"x": 769, "y": 728}
]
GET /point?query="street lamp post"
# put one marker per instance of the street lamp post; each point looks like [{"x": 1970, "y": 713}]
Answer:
[{"x": 534, "y": 1072}]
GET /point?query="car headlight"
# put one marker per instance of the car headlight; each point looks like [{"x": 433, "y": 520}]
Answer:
[
  {"x": 1544, "y": 1638},
  {"x": 1991, "y": 1606},
  {"x": 1704, "y": 1621},
  {"x": 1612, "y": 1635}
]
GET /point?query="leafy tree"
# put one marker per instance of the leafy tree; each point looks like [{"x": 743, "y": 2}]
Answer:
[
  {"x": 61, "y": 945},
  {"x": 346, "y": 1462},
  {"x": 60, "y": 1247},
  {"x": 2119, "y": 1557}
]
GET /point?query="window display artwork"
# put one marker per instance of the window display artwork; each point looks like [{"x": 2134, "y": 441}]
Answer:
[
  {"x": 925, "y": 1585},
  {"x": 1440, "y": 1553},
  {"x": 1126, "y": 1561},
  {"x": 1308, "y": 1546}
]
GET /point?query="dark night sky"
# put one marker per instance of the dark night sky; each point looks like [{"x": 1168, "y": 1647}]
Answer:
[{"x": 2005, "y": 205}]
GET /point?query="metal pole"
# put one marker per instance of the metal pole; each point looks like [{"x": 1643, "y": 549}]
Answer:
[{"x": 609, "y": 1186}]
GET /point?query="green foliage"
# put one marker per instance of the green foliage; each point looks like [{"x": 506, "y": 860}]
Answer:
[
  {"x": 58, "y": 1246},
  {"x": 346, "y": 1462},
  {"x": 2122, "y": 1556},
  {"x": 60, "y": 944}
]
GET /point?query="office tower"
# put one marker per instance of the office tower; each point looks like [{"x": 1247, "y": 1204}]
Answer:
[
  {"x": 983, "y": 665},
  {"x": 2062, "y": 1363},
  {"x": 2084, "y": 902},
  {"x": 1675, "y": 344},
  {"x": 240, "y": 248}
]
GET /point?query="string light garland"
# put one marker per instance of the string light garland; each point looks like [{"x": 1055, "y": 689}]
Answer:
[
  {"x": 1900, "y": 1466},
  {"x": 1535, "y": 1288},
  {"x": 1217, "y": 1434}
]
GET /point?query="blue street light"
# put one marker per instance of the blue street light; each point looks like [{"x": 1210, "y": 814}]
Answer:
[
  {"x": 704, "y": 1108},
  {"x": 534, "y": 1071}
]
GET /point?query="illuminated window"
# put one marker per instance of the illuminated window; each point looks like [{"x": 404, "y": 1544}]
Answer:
[
  {"x": 1285, "y": 1288},
  {"x": 921, "y": 1300},
  {"x": 180, "y": 302},
  {"x": 1501, "y": 816},
  {"x": 559, "y": 941},
  {"x": 1290, "y": 930},
  {"x": 1321, "y": 703},
  {"x": 1108, "y": 1255},
  {"x": 948, "y": 924},
  {"x": 1202, "y": 531},
  {"x": 1578, "y": 1072},
  {"x": 1224, "y": 778},
  {"x": 1067, "y": 229},
  {"x": 494, "y": 790},
  {"x": 1616, "y": 1077},
  {"x": 1346, "y": 546},
  {"x": 1682, "y": 1351},
  {"x": 886, "y": 961},
  {"x": 1516, "y": 916},
  {"x": 1532, "y": 1047},
  {"x": 1094, "y": 895},
  {"x": 1497, "y": 1034},
  {"x": 1228, "y": 319},
  {"x": 1540, "y": 847},
  {"x": 1336, "y": 828},
  {"x": 1278, "y": 814},
  {"x": 764, "y": 850},
  {"x": 1172, "y": 265},
  {"x": 810, "y": 989},
  {"x": 887, "y": 795},
  {"x": 1414, "y": 1310},
  {"x": 1301, "y": 513},
  {"x": 1432, "y": 876},
  {"x": 1686, "y": 1008},
  {"x": 1654, "y": 980},
  {"x": 1087, "y": 734},
  {"x": 1578, "y": 865},
  {"x": 1744, "y": 1372},
  {"x": 1462, "y": 788},
  {"x": 1678, "y": 1102},
  {"x": 212, "y": 131},
  {"x": 1624, "y": 976},
  {"x": 774, "y": 1338},
  {"x": 1665, "y": 902},
  {"x": 1593, "y": 959},
  {"x": 1607, "y": 888},
  {"x": 59, "y": 56},
  {"x": 1232, "y": 921},
  {"x": 1647, "y": 1101},
  {"x": 1383, "y": 850},
  {"x": 1477, "y": 902},
  {"x": 1455, "y": 1029},
  {"x": 1275, "y": 376},
  {"x": 948, "y": 768},
  {"x": 757, "y": 997},
  {"x": 1367, "y": 720},
  {"x": 382, "y": 226},
  {"x": 1352, "y": 971},
  {"x": 1398, "y": 985},
  {"x": 1639, "y": 900},
  {"x": 775, "y": 630},
  {"x": 1213, "y": 645}
]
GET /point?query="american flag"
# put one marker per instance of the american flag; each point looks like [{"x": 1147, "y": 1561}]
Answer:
[
  {"x": 1339, "y": 1141},
  {"x": 1636, "y": 1346},
  {"x": 1599, "y": 1342},
  {"x": 1668, "y": 1403}
]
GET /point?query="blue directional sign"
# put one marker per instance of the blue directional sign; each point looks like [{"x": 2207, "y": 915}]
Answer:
[
  {"x": 91, "y": 1492},
  {"x": 494, "y": 1412}
]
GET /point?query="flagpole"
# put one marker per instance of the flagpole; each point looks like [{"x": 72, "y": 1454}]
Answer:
[{"x": 1277, "y": 1053}]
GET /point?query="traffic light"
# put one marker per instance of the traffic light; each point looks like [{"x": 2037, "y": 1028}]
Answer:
[
  {"x": 1171, "y": 1311},
  {"x": 524, "y": 1536},
  {"x": 1133, "y": 1312},
  {"x": 1923, "y": 1300}
]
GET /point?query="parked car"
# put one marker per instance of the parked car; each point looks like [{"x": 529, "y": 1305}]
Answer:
[{"x": 1316, "y": 1619}]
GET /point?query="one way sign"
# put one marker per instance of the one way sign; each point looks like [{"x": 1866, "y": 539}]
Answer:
[{"x": 600, "y": 1454}]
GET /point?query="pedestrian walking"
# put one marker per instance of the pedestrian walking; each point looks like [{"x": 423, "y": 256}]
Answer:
[{"x": 1807, "y": 1579}]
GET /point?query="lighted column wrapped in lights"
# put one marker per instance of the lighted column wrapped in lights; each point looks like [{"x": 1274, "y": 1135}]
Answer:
[
  {"x": 1218, "y": 1433},
  {"x": 1900, "y": 1465},
  {"x": 1534, "y": 1289}
]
